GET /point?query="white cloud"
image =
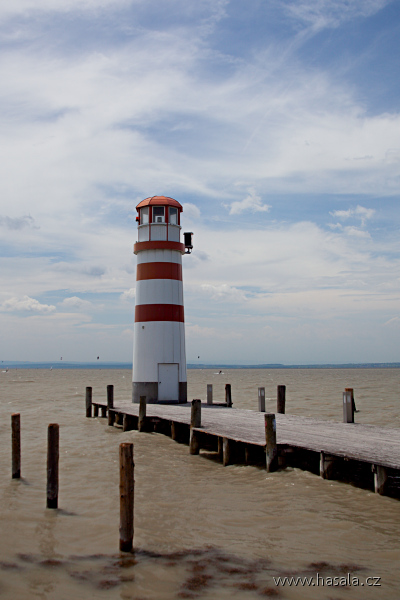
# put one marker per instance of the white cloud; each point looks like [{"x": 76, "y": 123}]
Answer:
[
  {"x": 190, "y": 211},
  {"x": 222, "y": 292},
  {"x": 75, "y": 302},
  {"x": 26, "y": 304},
  {"x": 320, "y": 14},
  {"x": 128, "y": 295},
  {"x": 360, "y": 212},
  {"x": 251, "y": 204},
  {"x": 10, "y": 8}
]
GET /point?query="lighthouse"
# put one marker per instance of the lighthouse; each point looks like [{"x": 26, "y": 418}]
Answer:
[{"x": 159, "y": 356}]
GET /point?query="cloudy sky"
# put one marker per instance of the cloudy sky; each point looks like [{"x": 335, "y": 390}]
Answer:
[{"x": 274, "y": 122}]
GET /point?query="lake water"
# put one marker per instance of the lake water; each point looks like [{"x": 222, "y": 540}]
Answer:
[{"x": 201, "y": 530}]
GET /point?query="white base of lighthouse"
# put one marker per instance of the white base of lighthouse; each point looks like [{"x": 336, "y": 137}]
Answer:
[{"x": 159, "y": 362}]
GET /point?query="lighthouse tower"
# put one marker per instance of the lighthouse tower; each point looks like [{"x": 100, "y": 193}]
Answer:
[{"x": 159, "y": 356}]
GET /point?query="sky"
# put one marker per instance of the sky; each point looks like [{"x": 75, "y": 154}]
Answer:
[{"x": 274, "y": 123}]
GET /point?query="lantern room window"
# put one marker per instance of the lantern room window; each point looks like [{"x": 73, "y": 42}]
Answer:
[
  {"x": 158, "y": 214},
  {"x": 144, "y": 215},
  {"x": 173, "y": 216}
]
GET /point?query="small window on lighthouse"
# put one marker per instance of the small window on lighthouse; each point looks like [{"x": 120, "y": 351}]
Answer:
[
  {"x": 173, "y": 216},
  {"x": 144, "y": 215},
  {"x": 158, "y": 214}
]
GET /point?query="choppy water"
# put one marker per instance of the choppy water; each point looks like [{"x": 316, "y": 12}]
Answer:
[{"x": 201, "y": 530}]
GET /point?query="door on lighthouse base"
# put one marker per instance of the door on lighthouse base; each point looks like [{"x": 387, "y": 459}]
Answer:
[{"x": 168, "y": 381}]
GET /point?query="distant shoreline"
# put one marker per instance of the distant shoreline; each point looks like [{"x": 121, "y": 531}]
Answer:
[{"x": 121, "y": 365}]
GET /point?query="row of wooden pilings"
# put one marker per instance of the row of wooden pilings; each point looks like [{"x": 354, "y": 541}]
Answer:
[
  {"x": 53, "y": 438},
  {"x": 349, "y": 407},
  {"x": 126, "y": 468}
]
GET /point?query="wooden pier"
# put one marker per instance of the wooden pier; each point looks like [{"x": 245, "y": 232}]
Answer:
[{"x": 364, "y": 455}]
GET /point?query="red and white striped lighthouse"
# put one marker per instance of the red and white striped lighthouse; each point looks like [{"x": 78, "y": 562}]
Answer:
[{"x": 159, "y": 356}]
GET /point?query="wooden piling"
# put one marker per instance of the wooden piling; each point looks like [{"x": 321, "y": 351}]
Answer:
[
  {"x": 261, "y": 399},
  {"x": 353, "y": 404},
  {"x": 228, "y": 394},
  {"x": 194, "y": 442},
  {"x": 209, "y": 393},
  {"x": 195, "y": 415},
  {"x": 126, "y": 494},
  {"x": 174, "y": 431},
  {"x": 142, "y": 414},
  {"x": 270, "y": 439},
  {"x": 348, "y": 412},
  {"x": 326, "y": 465},
  {"x": 127, "y": 424},
  {"x": 195, "y": 421},
  {"x": 220, "y": 448},
  {"x": 16, "y": 446},
  {"x": 110, "y": 404},
  {"x": 103, "y": 412},
  {"x": 281, "y": 399},
  {"x": 95, "y": 410},
  {"x": 88, "y": 401},
  {"x": 226, "y": 451},
  {"x": 53, "y": 437},
  {"x": 380, "y": 479}
]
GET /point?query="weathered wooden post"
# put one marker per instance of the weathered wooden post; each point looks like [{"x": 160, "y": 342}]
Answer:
[
  {"x": 88, "y": 401},
  {"x": 228, "y": 394},
  {"x": 226, "y": 451},
  {"x": 281, "y": 399},
  {"x": 195, "y": 421},
  {"x": 16, "y": 446},
  {"x": 126, "y": 494},
  {"x": 174, "y": 431},
  {"x": 326, "y": 465},
  {"x": 95, "y": 410},
  {"x": 380, "y": 479},
  {"x": 127, "y": 423},
  {"x": 353, "y": 404},
  {"x": 53, "y": 437},
  {"x": 110, "y": 404},
  {"x": 103, "y": 411},
  {"x": 209, "y": 393},
  {"x": 142, "y": 414},
  {"x": 261, "y": 399},
  {"x": 348, "y": 413},
  {"x": 220, "y": 448},
  {"x": 271, "y": 449}
]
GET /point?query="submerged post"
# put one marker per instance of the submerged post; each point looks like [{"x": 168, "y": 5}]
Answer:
[
  {"x": 281, "y": 399},
  {"x": 126, "y": 494},
  {"x": 16, "y": 445},
  {"x": 271, "y": 449},
  {"x": 195, "y": 421},
  {"x": 209, "y": 393},
  {"x": 228, "y": 394},
  {"x": 88, "y": 401},
  {"x": 261, "y": 399},
  {"x": 110, "y": 404},
  {"x": 53, "y": 437},
  {"x": 142, "y": 413}
]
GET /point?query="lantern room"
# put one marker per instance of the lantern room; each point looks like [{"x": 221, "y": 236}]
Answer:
[{"x": 159, "y": 219}]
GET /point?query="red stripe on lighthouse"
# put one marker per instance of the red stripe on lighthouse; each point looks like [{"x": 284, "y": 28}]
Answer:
[
  {"x": 159, "y": 270},
  {"x": 159, "y": 312}
]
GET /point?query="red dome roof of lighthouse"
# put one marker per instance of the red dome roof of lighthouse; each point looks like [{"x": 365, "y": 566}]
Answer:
[{"x": 159, "y": 201}]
